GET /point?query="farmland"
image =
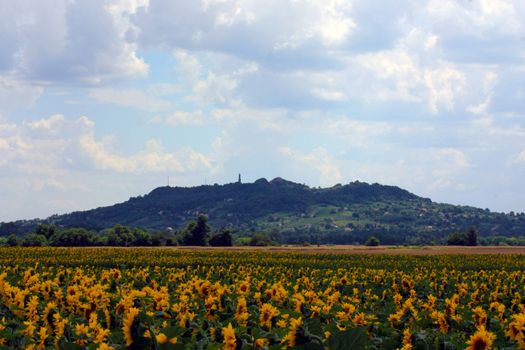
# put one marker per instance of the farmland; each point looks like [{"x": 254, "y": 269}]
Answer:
[{"x": 104, "y": 298}]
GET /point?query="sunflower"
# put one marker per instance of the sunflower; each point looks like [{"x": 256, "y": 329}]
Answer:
[
  {"x": 48, "y": 313},
  {"x": 244, "y": 288},
  {"x": 441, "y": 321},
  {"x": 241, "y": 314},
  {"x": 291, "y": 337},
  {"x": 268, "y": 313},
  {"x": 104, "y": 346},
  {"x": 480, "y": 316},
  {"x": 32, "y": 309},
  {"x": 127, "y": 324},
  {"x": 43, "y": 336},
  {"x": 29, "y": 330},
  {"x": 261, "y": 343},
  {"x": 161, "y": 338},
  {"x": 516, "y": 330},
  {"x": 407, "y": 340},
  {"x": 230, "y": 340},
  {"x": 481, "y": 340},
  {"x": 82, "y": 331}
]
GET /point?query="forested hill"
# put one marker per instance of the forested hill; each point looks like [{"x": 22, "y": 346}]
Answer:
[
  {"x": 297, "y": 213},
  {"x": 235, "y": 204}
]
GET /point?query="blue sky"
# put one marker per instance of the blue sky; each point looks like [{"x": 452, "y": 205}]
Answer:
[{"x": 103, "y": 100}]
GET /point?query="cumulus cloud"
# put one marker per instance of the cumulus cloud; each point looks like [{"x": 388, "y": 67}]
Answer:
[
  {"x": 15, "y": 93},
  {"x": 247, "y": 29},
  {"x": 319, "y": 159},
  {"x": 334, "y": 52},
  {"x": 520, "y": 158},
  {"x": 68, "y": 41},
  {"x": 133, "y": 98},
  {"x": 179, "y": 118},
  {"x": 60, "y": 143},
  {"x": 457, "y": 157}
]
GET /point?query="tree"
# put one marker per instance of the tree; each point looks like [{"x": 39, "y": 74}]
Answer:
[
  {"x": 45, "y": 230},
  {"x": 471, "y": 237},
  {"x": 34, "y": 240},
  {"x": 142, "y": 237},
  {"x": 120, "y": 236},
  {"x": 372, "y": 241},
  {"x": 12, "y": 240},
  {"x": 260, "y": 239},
  {"x": 456, "y": 239},
  {"x": 74, "y": 237},
  {"x": 197, "y": 232},
  {"x": 222, "y": 239}
]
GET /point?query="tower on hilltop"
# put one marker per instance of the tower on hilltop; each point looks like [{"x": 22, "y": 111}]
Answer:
[{"x": 239, "y": 180}]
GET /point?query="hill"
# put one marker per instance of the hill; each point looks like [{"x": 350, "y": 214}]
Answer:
[{"x": 295, "y": 213}]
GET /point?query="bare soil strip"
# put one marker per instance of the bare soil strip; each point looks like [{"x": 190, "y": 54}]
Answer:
[{"x": 352, "y": 249}]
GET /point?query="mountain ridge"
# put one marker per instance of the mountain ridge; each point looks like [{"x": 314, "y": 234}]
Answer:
[{"x": 295, "y": 212}]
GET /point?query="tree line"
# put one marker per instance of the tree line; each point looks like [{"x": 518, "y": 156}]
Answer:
[{"x": 196, "y": 233}]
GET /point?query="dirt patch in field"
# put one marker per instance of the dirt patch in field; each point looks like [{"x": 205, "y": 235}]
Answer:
[{"x": 352, "y": 249}]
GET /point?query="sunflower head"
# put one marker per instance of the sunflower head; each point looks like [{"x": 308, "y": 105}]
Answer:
[
  {"x": 230, "y": 340},
  {"x": 481, "y": 340},
  {"x": 129, "y": 324}
]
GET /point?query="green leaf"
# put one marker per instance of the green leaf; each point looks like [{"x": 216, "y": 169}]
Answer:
[
  {"x": 313, "y": 326},
  {"x": 354, "y": 338},
  {"x": 309, "y": 346},
  {"x": 70, "y": 346}
]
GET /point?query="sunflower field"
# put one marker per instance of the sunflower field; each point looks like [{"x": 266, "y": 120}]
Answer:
[{"x": 111, "y": 298}]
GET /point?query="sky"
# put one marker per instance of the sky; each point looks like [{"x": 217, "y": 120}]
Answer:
[{"x": 104, "y": 100}]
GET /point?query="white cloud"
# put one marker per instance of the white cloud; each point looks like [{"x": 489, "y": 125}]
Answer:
[
  {"x": 335, "y": 52},
  {"x": 133, "y": 98},
  {"x": 187, "y": 64},
  {"x": 64, "y": 41},
  {"x": 457, "y": 157},
  {"x": 319, "y": 159},
  {"x": 47, "y": 125},
  {"x": 520, "y": 158},
  {"x": 209, "y": 79},
  {"x": 62, "y": 166},
  {"x": 354, "y": 132},
  {"x": 329, "y": 95},
  {"x": 273, "y": 25},
  {"x": 15, "y": 93},
  {"x": 153, "y": 159},
  {"x": 58, "y": 144},
  {"x": 444, "y": 84},
  {"x": 184, "y": 118}
]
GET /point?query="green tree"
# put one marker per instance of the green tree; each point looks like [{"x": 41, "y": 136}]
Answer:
[
  {"x": 471, "y": 237},
  {"x": 34, "y": 240},
  {"x": 260, "y": 239},
  {"x": 197, "y": 232},
  {"x": 12, "y": 240},
  {"x": 74, "y": 237},
  {"x": 372, "y": 241},
  {"x": 456, "y": 239},
  {"x": 141, "y": 237},
  {"x": 120, "y": 236},
  {"x": 222, "y": 239},
  {"x": 45, "y": 230}
]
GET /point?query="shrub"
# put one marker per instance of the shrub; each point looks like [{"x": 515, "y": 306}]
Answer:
[
  {"x": 222, "y": 239},
  {"x": 34, "y": 240},
  {"x": 372, "y": 242}
]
